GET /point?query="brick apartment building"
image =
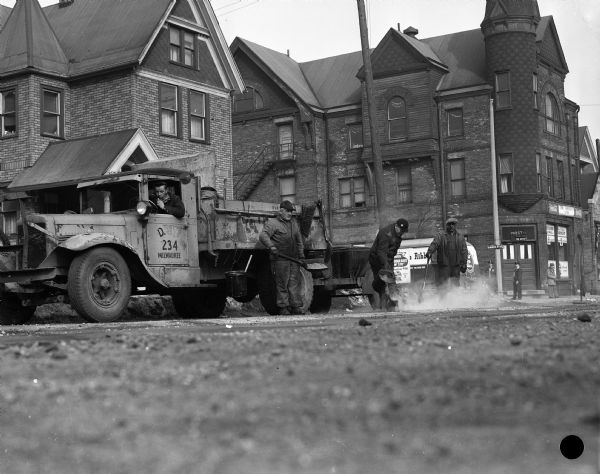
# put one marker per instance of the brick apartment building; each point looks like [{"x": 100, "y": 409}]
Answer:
[
  {"x": 88, "y": 87},
  {"x": 301, "y": 131}
]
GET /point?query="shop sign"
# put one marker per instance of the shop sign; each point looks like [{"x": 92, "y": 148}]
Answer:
[
  {"x": 549, "y": 233},
  {"x": 564, "y": 210},
  {"x": 563, "y": 268},
  {"x": 561, "y": 237},
  {"x": 518, "y": 233}
]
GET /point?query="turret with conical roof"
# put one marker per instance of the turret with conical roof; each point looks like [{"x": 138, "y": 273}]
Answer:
[{"x": 509, "y": 28}]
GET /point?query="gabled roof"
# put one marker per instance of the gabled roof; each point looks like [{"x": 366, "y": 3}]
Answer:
[
  {"x": 27, "y": 41},
  {"x": 67, "y": 162},
  {"x": 91, "y": 36},
  {"x": 281, "y": 66},
  {"x": 587, "y": 148},
  {"x": 545, "y": 29}
]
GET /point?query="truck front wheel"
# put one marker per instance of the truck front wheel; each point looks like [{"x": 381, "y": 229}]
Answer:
[{"x": 99, "y": 284}]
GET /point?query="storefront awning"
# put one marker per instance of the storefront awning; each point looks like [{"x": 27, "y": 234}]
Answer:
[{"x": 66, "y": 163}]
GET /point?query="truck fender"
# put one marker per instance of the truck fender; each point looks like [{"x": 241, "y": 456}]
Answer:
[{"x": 80, "y": 242}]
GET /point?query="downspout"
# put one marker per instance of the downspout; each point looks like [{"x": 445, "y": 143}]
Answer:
[
  {"x": 328, "y": 182},
  {"x": 442, "y": 165},
  {"x": 571, "y": 183}
]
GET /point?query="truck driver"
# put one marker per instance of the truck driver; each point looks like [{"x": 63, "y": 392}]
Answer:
[{"x": 166, "y": 202}]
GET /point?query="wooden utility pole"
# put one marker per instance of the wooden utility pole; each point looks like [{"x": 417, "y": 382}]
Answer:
[
  {"x": 377, "y": 164},
  {"x": 497, "y": 243}
]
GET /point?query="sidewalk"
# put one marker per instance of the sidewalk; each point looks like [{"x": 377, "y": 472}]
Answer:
[{"x": 544, "y": 301}]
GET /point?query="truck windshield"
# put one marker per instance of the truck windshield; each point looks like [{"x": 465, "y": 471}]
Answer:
[{"x": 110, "y": 197}]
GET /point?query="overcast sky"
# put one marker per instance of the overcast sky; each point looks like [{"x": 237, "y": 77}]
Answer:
[{"x": 314, "y": 29}]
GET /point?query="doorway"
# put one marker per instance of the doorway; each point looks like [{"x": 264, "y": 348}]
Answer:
[{"x": 524, "y": 253}]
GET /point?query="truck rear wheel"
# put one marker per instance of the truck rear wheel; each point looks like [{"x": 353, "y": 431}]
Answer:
[
  {"x": 99, "y": 284},
  {"x": 204, "y": 304}
]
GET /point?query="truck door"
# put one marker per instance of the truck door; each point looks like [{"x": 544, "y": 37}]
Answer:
[{"x": 167, "y": 240}]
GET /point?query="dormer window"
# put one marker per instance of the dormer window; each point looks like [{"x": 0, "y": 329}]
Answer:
[
  {"x": 182, "y": 47},
  {"x": 249, "y": 101},
  {"x": 397, "y": 127}
]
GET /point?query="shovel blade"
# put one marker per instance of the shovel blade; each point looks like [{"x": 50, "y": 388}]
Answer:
[{"x": 316, "y": 266}]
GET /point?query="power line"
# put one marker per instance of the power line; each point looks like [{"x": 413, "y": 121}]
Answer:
[{"x": 241, "y": 7}]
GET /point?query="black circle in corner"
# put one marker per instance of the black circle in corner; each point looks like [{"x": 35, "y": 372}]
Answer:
[{"x": 571, "y": 447}]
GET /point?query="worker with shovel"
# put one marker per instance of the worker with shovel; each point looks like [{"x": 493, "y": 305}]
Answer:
[
  {"x": 381, "y": 259},
  {"x": 452, "y": 254},
  {"x": 282, "y": 237}
]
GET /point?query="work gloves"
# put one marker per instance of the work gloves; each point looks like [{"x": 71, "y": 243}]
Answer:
[{"x": 274, "y": 251}]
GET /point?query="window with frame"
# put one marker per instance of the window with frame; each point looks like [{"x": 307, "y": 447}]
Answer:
[
  {"x": 248, "y": 101},
  {"x": 8, "y": 113},
  {"x": 549, "y": 176},
  {"x": 539, "y": 172},
  {"x": 502, "y": 90},
  {"x": 552, "y": 115},
  {"x": 560, "y": 179},
  {"x": 457, "y": 177},
  {"x": 455, "y": 122},
  {"x": 535, "y": 91},
  {"x": 169, "y": 110},
  {"x": 52, "y": 121},
  {"x": 198, "y": 116},
  {"x": 403, "y": 185},
  {"x": 182, "y": 47},
  {"x": 506, "y": 173},
  {"x": 352, "y": 192},
  {"x": 355, "y": 135},
  {"x": 285, "y": 141},
  {"x": 287, "y": 188},
  {"x": 397, "y": 124}
]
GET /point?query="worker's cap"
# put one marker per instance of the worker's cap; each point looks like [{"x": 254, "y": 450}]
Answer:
[
  {"x": 403, "y": 224},
  {"x": 452, "y": 220},
  {"x": 287, "y": 205}
]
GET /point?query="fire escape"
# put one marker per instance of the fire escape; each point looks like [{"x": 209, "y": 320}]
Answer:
[{"x": 251, "y": 177}]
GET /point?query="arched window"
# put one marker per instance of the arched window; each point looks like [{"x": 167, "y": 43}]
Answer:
[
  {"x": 552, "y": 115},
  {"x": 248, "y": 101},
  {"x": 397, "y": 118}
]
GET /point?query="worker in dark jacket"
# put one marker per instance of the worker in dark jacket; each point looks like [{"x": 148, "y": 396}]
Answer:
[
  {"x": 166, "y": 202},
  {"x": 381, "y": 257},
  {"x": 452, "y": 254},
  {"x": 282, "y": 237}
]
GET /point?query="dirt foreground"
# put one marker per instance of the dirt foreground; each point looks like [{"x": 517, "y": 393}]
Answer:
[{"x": 472, "y": 391}]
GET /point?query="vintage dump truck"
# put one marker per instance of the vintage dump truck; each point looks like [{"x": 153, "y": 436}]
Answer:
[{"x": 117, "y": 244}]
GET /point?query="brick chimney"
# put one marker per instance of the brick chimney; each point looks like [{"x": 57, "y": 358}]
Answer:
[{"x": 411, "y": 31}]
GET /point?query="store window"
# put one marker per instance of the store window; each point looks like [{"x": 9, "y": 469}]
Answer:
[{"x": 558, "y": 250}]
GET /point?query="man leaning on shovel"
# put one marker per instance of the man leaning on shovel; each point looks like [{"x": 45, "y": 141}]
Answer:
[
  {"x": 381, "y": 258},
  {"x": 282, "y": 237}
]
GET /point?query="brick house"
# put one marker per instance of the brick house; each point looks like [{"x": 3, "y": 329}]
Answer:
[
  {"x": 301, "y": 131},
  {"x": 89, "y": 87}
]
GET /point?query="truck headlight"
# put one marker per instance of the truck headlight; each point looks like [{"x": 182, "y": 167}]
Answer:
[{"x": 142, "y": 208}]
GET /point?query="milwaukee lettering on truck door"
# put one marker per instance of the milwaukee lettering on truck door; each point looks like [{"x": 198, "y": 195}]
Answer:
[{"x": 167, "y": 241}]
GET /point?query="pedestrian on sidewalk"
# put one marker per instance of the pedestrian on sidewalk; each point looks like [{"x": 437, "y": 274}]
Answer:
[
  {"x": 552, "y": 289},
  {"x": 517, "y": 281}
]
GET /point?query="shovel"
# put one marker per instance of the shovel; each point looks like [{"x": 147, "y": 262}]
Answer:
[
  {"x": 420, "y": 297},
  {"x": 312, "y": 266}
]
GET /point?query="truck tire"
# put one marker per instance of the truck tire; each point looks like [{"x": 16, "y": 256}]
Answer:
[
  {"x": 307, "y": 289},
  {"x": 203, "y": 304},
  {"x": 12, "y": 311},
  {"x": 321, "y": 302},
  {"x": 99, "y": 284}
]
